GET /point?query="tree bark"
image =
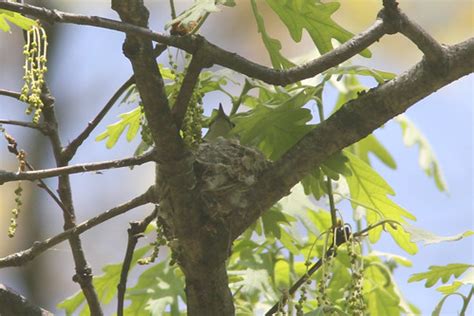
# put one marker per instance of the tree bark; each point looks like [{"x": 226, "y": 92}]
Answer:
[
  {"x": 13, "y": 304},
  {"x": 207, "y": 291}
]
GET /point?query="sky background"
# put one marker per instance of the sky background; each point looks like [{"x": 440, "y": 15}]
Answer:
[{"x": 86, "y": 66}]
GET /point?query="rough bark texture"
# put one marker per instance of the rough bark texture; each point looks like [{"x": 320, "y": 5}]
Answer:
[{"x": 13, "y": 304}]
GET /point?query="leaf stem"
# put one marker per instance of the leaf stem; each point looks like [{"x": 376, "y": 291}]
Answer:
[
  {"x": 173, "y": 10},
  {"x": 332, "y": 206},
  {"x": 466, "y": 301},
  {"x": 200, "y": 23}
]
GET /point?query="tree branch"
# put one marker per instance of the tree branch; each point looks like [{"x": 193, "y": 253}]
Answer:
[
  {"x": 187, "y": 88},
  {"x": 67, "y": 170},
  {"x": 83, "y": 275},
  {"x": 134, "y": 233},
  {"x": 215, "y": 54},
  {"x": 176, "y": 169},
  {"x": 150, "y": 84},
  {"x": 342, "y": 235},
  {"x": 354, "y": 121},
  {"x": 22, "y": 257},
  {"x": 11, "y": 94},
  {"x": 396, "y": 21},
  {"x": 12, "y": 303},
  {"x": 40, "y": 127},
  {"x": 71, "y": 149}
]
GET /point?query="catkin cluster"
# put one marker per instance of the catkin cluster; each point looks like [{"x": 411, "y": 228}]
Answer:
[{"x": 35, "y": 51}]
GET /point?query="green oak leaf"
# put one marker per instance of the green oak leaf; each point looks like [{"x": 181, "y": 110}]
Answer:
[
  {"x": 398, "y": 259},
  {"x": 315, "y": 182},
  {"x": 443, "y": 273},
  {"x": 379, "y": 75},
  {"x": 379, "y": 293},
  {"x": 105, "y": 285},
  {"x": 282, "y": 273},
  {"x": 315, "y": 17},
  {"x": 276, "y": 125},
  {"x": 158, "y": 288},
  {"x": 199, "y": 9},
  {"x": 467, "y": 278},
  {"x": 370, "y": 190},
  {"x": 130, "y": 120},
  {"x": 272, "y": 45},
  {"x": 15, "y": 18},
  {"x": 371, "y": 144},
  {"x": 426, "y": 159},
  {"x": 428, "y": 238}
]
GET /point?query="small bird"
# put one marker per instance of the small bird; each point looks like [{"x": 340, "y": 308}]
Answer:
[{"x": 220, "y": 125}]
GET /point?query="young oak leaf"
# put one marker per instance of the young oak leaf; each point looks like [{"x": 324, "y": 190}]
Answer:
[
  {"x": 272, "y": 45},
  {"x": 274, "y": 126},
  {"x": 466, "y": 279},
  {"x": 427, "y": 159},
  {"x": 443, "y": 273},
  {"x": 130, "y": 120},
  {"x": 105, "y": 285},
  {"x": 368, "y": 188},
  {"x": 315, "y": 17},
  {"x": 15, "y": 18},
  {"x": 198, "y": 10},
  {"x": 428, "y": 238},
  {"x": 158, "y": 288}
]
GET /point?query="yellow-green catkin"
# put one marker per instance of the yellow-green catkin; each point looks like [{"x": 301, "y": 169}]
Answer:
[
  {"x": 160, "y": 241},
  {"x": 191, "y": 128},
  {"x": 18, "y": 192},
  {"x": 35, "y": 51},
  {"x": 355, "y": 299}
]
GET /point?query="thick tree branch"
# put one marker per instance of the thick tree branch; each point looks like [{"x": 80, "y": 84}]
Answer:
[
  {"x": 12, "y": 303},
  {"x": 71, "y": 149},
  {"x": 67, "y": 170},
  {"x": 22, "y": 257},
  {"x": 215, "y": 54},
  {"x": 354, "y": 121},
  {"x": 134, "y": 233},
  {"x": 150, "y": 84}
]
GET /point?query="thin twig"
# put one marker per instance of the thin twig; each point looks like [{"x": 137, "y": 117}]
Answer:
[
  {"x": 466, "y": 301},
  {"x": 332, "y": 206},
  {"x": 13, "y": 148},
  {"x": 339, "y": 240},
  {"x": 71, "y": 149},
  {"x": 48, "y": 190},
  {"x": 134, "y": 233},
  {"x": 434, "y": 52},
  {"x": 216, "y": 54},
  {"x": 11, "y": 94},
  {"x": 67, "y": 170},
  {"x": 187, "y": 88},
  {"x": 173, "y": 10},
  {"x": 396, "y": 21},
  {"x": 40, "y": 127},
  {"x": 83, "y": 275},
  {"x": 22, "y": 257}
]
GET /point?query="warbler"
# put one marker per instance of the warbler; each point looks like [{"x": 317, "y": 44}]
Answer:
[{"x": 220, "y": 125}]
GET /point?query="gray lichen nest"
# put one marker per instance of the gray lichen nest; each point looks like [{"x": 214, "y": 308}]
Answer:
[{"x": 227, "y": 169}]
